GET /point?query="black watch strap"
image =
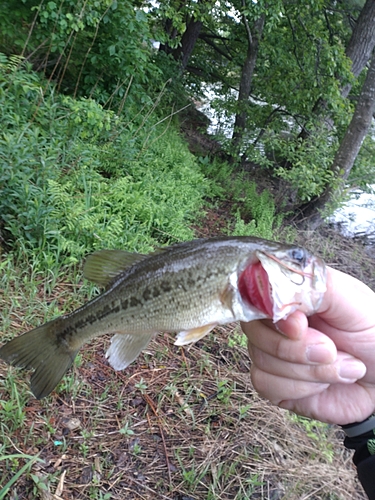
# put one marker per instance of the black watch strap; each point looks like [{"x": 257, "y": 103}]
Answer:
[{"x": 358, "y": 428}]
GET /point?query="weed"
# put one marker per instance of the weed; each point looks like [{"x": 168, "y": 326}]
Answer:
[
  {"x": 141, "y": 385},
  {"x": 238, "y": 338},
  {"x": 243, "y": 411},
  {"x": 12, "y": 411},
  {"x": 26, "y": 468},
  {"x": 191, "y": 476},
  {"x": 136, "y": 449},
  {"x": 61, "y": 200},
  {"x": 247, "y": 203},
  {"x": 126, "y": 430},
  {"x": 318, "y": 432},
  {"x": 224, "y": 391}
]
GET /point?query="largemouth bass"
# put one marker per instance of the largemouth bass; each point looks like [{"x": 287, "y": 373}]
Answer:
[{"x": 187, "y": 288}]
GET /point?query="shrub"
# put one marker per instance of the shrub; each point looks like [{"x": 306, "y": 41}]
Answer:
[{"x": 76, "y": 177}]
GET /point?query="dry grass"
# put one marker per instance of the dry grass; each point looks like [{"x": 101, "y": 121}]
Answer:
[
  {"x": 346, "y": 254},
  {"x": 178, "y": 424}
]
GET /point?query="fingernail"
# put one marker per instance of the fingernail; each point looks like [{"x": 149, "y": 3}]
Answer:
[
  {"x": 288, "y": 404},
  {"x": 318, "y": 353},
  {"x": 352, "y": 369}
]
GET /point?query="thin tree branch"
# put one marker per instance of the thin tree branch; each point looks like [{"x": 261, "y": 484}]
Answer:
[{"x": 247, "y": 27}]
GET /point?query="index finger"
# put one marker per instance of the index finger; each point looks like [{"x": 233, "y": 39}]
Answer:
[
  {"x": 348, "y": 304},
  {"x": 312, "y": 346}
]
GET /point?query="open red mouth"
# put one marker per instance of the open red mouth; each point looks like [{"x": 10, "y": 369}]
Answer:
[{"x": 255, "y": 288}]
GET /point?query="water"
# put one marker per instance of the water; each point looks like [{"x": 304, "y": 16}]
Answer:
[{"x": 357, "y": 216}]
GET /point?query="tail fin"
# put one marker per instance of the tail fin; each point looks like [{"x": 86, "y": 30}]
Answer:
[{"x": 40, "y": 350}]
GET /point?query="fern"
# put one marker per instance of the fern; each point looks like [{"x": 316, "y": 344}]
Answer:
[{"x": 76, "y": 177}]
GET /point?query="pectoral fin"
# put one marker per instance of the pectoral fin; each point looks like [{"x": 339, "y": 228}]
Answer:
[
  {"x": 125, "y": 348},
  {"x": 189, "y": 336},
  {"x": 227, "y": 297}
]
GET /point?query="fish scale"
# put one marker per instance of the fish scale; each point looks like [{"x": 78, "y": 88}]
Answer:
[{"x": 187, "y": 288}]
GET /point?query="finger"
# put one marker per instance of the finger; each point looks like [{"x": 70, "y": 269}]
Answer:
[
  {"x": 361, "y": 345},
  {"x": 338, "y": 404},
  {"x": 346, "y": 369},
  {"x": 293, "y": 326},
  {"x": 312, "y": 347},
  {"x": 355, "y": 295},
  {"x": 277, "y": 389}
]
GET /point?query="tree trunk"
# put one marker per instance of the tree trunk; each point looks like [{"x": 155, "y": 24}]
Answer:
[
  {"x": 188, "y": 40},
  {"x": 350, "y": 145},
  {"x": 359, "y": 49},
  {"x": 189, "y": 37},
  {"x": 362, "y": 41},
  {"x": 253, "y": 40}
]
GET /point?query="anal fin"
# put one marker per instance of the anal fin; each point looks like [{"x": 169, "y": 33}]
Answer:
[
  {"x": 189, "y": 336},
  {"x": 125, "y": 348}
]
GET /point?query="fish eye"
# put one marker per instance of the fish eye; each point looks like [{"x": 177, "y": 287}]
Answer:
[{"x": 298, "y": 255}]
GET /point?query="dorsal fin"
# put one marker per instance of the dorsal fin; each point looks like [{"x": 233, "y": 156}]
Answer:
[{"x": 104, "y": 266}]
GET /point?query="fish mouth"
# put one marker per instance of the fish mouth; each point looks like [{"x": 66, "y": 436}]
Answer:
[
  {"x": 254, "y": 287},
  {"x": 277, "y": 287}
]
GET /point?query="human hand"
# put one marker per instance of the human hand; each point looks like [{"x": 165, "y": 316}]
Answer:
[{"x": 323, "y": 366}]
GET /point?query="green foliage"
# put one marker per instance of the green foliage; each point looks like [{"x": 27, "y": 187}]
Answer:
[
  {"x": 172, "y": 17},
  {"x": 219, "y": 174},
  {"x": 254, "y": 212},
  {"x": 96, "y": 48},
  {"x": 304, "y": 164},
  {"x": 318, "y": 432},
  {"x": 24, "y": 469},
  {"x": 363, "y": 172},
  {"x": 76, "y": 177},
  {"x": 126, "y": 430},
  {"x": 12, "y": 411},
  {"x": 300, "y": 71},
  {"x": 303, "y": 60},
  {"x": 238, "y": 338},
  {"x": 260, "y": 206},
  {"x": 102, "y": 49}
]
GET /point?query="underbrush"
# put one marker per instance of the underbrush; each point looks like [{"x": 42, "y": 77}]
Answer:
[
  {"x": 252, "y": 211},
  {"x": 76, "y": 177}
]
